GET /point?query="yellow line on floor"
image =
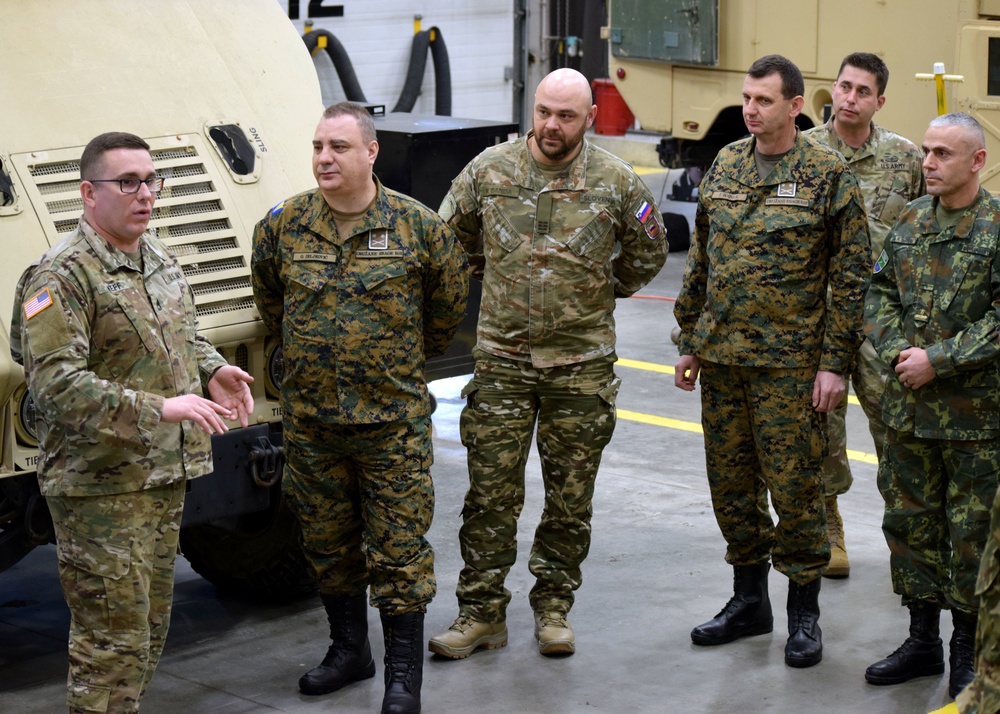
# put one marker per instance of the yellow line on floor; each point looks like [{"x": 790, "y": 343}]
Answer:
[{"x": 693, "y": 427}]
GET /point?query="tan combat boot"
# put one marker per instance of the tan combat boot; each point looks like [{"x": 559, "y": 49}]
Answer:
[
  {"x": 839, "y": 565},
  {"x": 554, "y": 634},
  {"x": 466, "y": 635}
]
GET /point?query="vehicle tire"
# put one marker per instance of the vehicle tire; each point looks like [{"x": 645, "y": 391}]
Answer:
[{"x": 256, "y": 556}]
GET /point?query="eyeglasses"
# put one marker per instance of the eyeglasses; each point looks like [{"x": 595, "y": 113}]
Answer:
[{"x": 131, "y": 185}]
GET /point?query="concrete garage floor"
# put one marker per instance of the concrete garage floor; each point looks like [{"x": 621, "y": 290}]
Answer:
[{"x": 655, "y": 570}]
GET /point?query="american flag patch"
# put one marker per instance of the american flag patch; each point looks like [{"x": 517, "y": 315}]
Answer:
[
  {"x": 644, "y": 212},
  {"x": 37, "y": 303}
]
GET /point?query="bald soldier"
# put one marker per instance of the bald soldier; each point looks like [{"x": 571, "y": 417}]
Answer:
[{"x": 556, "y": 229}]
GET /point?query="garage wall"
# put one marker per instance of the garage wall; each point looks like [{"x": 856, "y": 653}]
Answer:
[{"x": 378, "y": 34}]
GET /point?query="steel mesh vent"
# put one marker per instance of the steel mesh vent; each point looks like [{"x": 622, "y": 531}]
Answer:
[{"x": 242, "y": 357}]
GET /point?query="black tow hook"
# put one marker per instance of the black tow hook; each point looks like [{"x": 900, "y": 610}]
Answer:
[{"x": 266, "y": 462}]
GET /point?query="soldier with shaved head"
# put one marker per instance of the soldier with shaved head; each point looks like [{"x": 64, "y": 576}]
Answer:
[
  {"x": 556, "y": 229},
  {"x": 932, "y": 315}
]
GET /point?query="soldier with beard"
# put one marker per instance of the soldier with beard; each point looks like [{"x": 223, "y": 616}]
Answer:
[{"x": 556, "y": 229}]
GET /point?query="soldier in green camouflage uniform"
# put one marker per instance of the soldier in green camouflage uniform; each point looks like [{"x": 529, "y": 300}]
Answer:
[
  {"x": 887, "y": 167},
  {"x": 931, "y": 313},
  {"x": 780, "y": 222},
  {"x": 362, "y": 284},
  {"x": 104, "y": 325},
  {"x": 556, "y": 229}
]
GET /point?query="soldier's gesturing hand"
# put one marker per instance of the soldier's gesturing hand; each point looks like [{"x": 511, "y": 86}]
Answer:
[
  {"x": 230, "y": 387},
  {"x": 203, "y": 412}
]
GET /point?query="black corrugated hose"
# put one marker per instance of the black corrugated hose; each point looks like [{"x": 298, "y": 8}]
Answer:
[
  {"x": 415, "y": 73},
  {"x": 341, "y": 62}
]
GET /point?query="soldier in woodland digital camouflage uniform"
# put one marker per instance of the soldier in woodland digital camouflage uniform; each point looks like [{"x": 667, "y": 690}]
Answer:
[
  {"x": 556, "y": 228},
  {"x": 932, "y": 315},
  {"x": 362, "y": 284},
  {"x": 780, "y": 224},
  {"x": 887, "y": 167},
  {"x": 104, "y": 324}
]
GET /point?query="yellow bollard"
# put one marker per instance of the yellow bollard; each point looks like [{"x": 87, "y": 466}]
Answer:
[{"x": 940, "y": 78}]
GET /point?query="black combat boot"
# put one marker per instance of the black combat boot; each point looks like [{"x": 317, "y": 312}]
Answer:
[
  {"x": 963, "y": 651},
  {"x": 921, "y": 655},
  {"x": 804, "y": 647},
  {"x": 404, "y": 663},
  {"x": 747, "y": 613},
  {"x": 349, "y": 658}
]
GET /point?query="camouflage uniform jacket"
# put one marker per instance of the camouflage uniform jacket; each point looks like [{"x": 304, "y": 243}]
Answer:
[
  {"x": 940, "y": 290},
  {"x": 889, "y": 169},
  {"x": 105, "y": 344},
  {"x": 553, "y": 256},
  {"x": 762, "y": 257},
  {"x": 359, "y": 314}
]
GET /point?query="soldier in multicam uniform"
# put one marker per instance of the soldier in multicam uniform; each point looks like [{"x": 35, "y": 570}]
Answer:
[
  {"x": 362, "y": 284},
  {"x": 931, "y": 313},
  {"x": 887, "y": 167},
  {"x": 556, "y": 228},
  {"x": 104, "y": 324},
  {"x": 780, "y": 223}
]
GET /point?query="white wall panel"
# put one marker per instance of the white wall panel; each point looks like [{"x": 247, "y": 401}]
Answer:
[{"x": 378, "y": 35}]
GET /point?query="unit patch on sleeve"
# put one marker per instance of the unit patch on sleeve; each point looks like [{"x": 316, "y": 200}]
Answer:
[{"x": 883, "y": 260}]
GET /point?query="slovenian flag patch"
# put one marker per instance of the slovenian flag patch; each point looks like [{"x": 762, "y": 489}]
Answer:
[
  {"x": 37, "y": 303},
  {"x": 647, "y": 218}
]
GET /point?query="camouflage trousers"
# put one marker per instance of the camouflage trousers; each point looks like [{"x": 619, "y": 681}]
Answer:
[
  {"x": 868, "y": 379},
  {"x": 938, "y": 495},
  {"x": 364, "y": 498},
  {"x": 982, "y": 696},
  {"x": 116, "y": 565},
  {"x": 574, "y": 407},
  {"x": 762, "y": 437}
]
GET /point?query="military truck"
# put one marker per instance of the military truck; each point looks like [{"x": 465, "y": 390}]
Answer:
[
  {"x": 227, "y": 97},
  {"x": 680, "y": 64}
]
